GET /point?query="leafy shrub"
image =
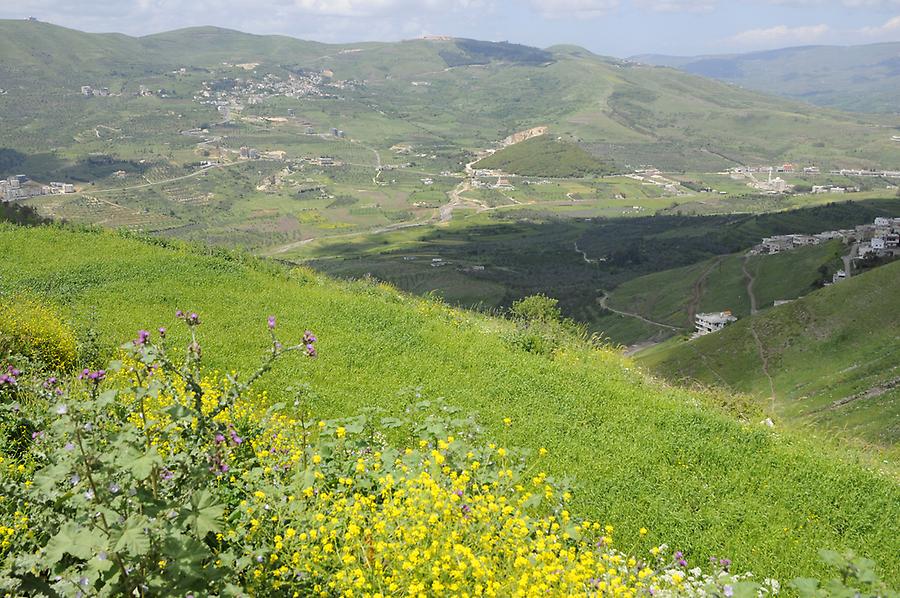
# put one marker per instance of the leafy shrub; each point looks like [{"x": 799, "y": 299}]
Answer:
[
  {"x": 541, "y": 328},
  {"x": 33, "y": 330},
  {"x": 537, "y": 308}
]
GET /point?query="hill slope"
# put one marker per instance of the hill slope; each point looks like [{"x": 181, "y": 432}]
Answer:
[
  {"x": 861, "y": 78},
  {"x": 641, "y": 453},
  {"x": 832, "y": 357},
  {"x": 545, "y": 156},
  {"x": 453, "y": 94}
]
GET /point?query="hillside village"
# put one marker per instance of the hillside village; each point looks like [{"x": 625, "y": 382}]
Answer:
[
  {"x": 879, "y": 240},
  {"x": 21, "y": 187},
  {"x": 776, "y": 185}
]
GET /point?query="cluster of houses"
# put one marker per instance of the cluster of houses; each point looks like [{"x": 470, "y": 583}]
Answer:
[
  {"x": 879, "y": 237},
  {"x": 228, "y": 93},
  {"x": 819, "y": 189},
  {"x": 814, "y": 170},
  {"x": 502, "y": 184},
  {"x": 784, "y": 168},
  {"x": 21, "y": 187}
]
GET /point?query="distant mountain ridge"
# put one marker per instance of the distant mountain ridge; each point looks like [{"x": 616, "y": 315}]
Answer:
[
  {"x": 457, "y": 94},
  {"x": 859, "y": 78}
]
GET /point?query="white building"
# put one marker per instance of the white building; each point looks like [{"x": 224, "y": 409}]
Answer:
[
  {"x": 877, "y": 244},
  {"x": 777, "y": 244},
  {"x": 713, "y": 322}
]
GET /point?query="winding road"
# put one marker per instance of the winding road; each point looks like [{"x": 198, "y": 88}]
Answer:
[{"x": 604, "y": 303}]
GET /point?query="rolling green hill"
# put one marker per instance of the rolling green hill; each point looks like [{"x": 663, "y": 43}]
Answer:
[
  {"x": 832, "y": 357},
  {"x": 467, "y": 95},
  {"x": 641, "y": 453},
  {"x": 545, "y": 156},
  {"x": 860, "y": 78}
]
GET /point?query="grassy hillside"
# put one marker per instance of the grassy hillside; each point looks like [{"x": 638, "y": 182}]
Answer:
[
  {"x": 545, "y": 156},
  {"x": 526, "y": 251},
  {"x": 832, "y": 357},
  {"x": 860, "y": 78},
  {"x": 641, "y": 453},
  {"x": 673, "y": 296}
]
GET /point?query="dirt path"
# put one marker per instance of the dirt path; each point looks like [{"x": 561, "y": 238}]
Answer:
[
  {"x": 152, "y": 183},
  {"x": 604, "y": 303},
  {"x": 754, "y": 306},
  {"x": 584, "y": 254},
  {"x": 765, "y": 364},
  {"x": 697, "y": 290}
]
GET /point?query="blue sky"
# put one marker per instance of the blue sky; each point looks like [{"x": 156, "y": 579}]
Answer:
[{"x": 612, "y": 27}]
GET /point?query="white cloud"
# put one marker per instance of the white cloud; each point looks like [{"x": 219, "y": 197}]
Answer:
[
  {"x": 578, "y": 8},
  {"x": 889, "y": 28},
  {"x": 781, "y": 35},
  {"x": 677, "y": 5}
]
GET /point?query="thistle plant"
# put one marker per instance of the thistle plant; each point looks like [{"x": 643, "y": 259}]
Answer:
[{"x": 122, "y": 501}]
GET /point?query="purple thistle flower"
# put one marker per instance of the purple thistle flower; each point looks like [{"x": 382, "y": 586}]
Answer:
[
  {"x": 143, "y": 337},
  {"x": 271, "y": 322},
  {"x": 179, "y": 314},
  {"x": 162, "y": 332},
  {"x": 309, "y": 338},
  {"x": 193, "y": 319},
  {"x": 219, "y": 439},
  {"x": 234, "y": 436},
  {"x": 311, "y": 351},
  {"x": 95, "y": 377}
]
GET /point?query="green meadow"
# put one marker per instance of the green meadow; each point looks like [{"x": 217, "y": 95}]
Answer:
[{"x": 695, "y": 468}]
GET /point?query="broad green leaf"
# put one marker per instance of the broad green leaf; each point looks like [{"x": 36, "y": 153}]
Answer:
[
  {"x": 206, "y": 513},
  {"x": 133, "y": 538},
  {"x": 142, "y": 467},
  {"x": 80, "y": 542},
  {"x": 806, "y": 586},
  {"x": 745, "y": 589}
]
